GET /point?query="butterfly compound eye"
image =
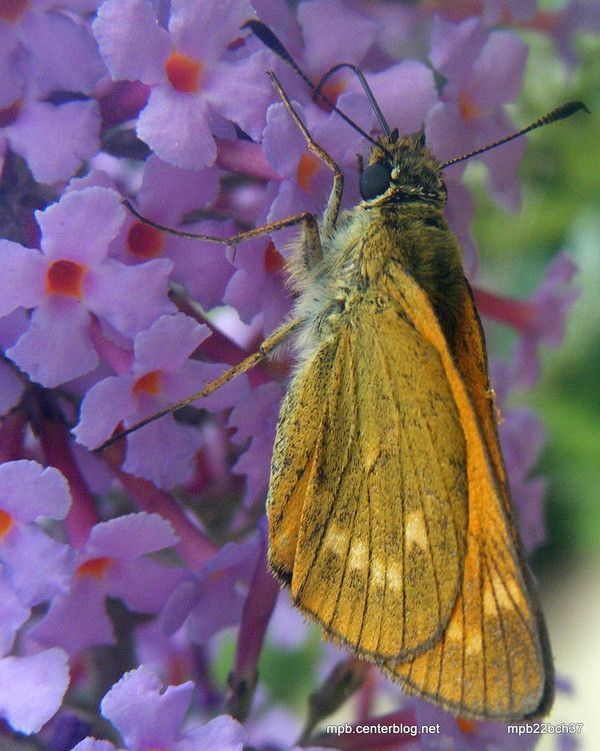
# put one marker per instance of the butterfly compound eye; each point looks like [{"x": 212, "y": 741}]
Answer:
[{"x": 375, "y": 180}]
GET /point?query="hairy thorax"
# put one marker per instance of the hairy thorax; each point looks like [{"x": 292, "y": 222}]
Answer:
[{"x": 355, "y": 270}]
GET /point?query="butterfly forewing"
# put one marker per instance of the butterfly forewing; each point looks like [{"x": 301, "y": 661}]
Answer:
[{"x": 381, "y": 536}]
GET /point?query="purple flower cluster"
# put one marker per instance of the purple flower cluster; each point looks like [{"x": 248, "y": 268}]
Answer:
[{"x": 127, "y": 568}]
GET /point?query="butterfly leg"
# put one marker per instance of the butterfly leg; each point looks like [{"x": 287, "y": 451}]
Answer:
[
  {"x": 265, "y": 349},
  {"x": 333, "y": 204},
  {"x": 311, "y": 242},
  {"x": 305, "y": 217}
]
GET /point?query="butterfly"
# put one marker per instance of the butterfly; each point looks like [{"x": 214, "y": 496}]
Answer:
[{"x": 388, "y": 507}]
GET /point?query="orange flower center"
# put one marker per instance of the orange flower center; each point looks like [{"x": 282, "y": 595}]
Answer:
[
  {"x": 149, "y": 383},
  {"x": 466, "y": 726},
  {"x": 307, "y": 168},
  {"x": 6, "y": 522},
  {"x": 65, "y": 278},
  {"x": 12, "y": 10},
  {"x": 332, "y": 90},
  {"x": 9, "y": 114},
  {"x": 273, "y": 259},
  {"x": 468, "y": 110},
  {"x": 95, "y": 567},
  {"x": 184, "y": 72},
  {"x": 145, "y": 241}
]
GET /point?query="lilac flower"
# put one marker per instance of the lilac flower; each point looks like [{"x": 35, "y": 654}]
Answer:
[
  {"x": 148, "y": 718},
  {"x": 41, "y": 40},
  {"x": 483, "y": 73},
  {"x": 273, "y": 728},
  {"x": 538, "y": 320},
  {"x": 459, "y": 213},
  {"x": 32, "y": 688},
  {"x": 214, "y": 597},
  {"x": 29, "y": 125},
  {"x": 255, "y": 419},
  {"x": 13, "y": 614},
  {"x": 113, "y": 563},
  {"x": 92, "y": 312},
  {"x": 257, "y": 287},
  {"x": 39, "y": 44},
  {"x": 161, "y": 374},
  {"x": 497, "y": 11},
  {"x": 522, "y": 439},
  {"x": 564, "y": 25},
  {"x": 467, "y": 735},
  {"x": 12, "y": 385},
  {"x": 28, "y": 492},
  {"x": 72, "y": 277},
  {"x": 324, "y": 47},
  {"x": 288, "y": 628},
  {"x": 167, "y": 195},
  {"x": 197, "y": 85}
]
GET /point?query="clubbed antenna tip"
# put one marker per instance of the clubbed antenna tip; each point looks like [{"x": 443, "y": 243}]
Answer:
[{"x": 565, "y": 110}]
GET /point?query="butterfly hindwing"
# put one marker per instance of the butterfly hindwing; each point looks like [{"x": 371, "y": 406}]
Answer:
[{"x": 491, "y": 661}]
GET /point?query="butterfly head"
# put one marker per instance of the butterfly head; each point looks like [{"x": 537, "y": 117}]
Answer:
[{"x": 402, "y": 170}]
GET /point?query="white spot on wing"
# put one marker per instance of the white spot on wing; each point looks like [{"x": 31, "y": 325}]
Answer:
[
  {"x": 358, "y": 555},
  {"x": 474, "y": 644},
  {"x": 393, "y": 577},
  {"x": 336, "y": 540},
  {"x": 415, "y": 532},
  {"x": 377, "y": 573}
]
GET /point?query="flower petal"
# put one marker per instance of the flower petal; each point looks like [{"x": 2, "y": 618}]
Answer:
[
  {"x": 104, "y": 406},
  {"x": 29, "y": 490},
  {"x": 131, "y": 536},
  {"x": 13, "y": 614},
  {"x": 405, "y": 92},
  {"x": 146, "y": 456},
  {"x": 130, "y": 297},
  {"x": 22, "y": 272},
  {"x": 145, "y": 717},
  {"x": 33, "y": 136},
  {"x": 55, "y": 41},
  {"x": 76, "y": 621},
  {"x": 455, "y": 46},
  {"x": 11, "y": 388},
  {"x": 204, "y": 29},
  {"x": 176, "y": 127},
  {"x": 56, "y": 348},
  {"x": 241, "y": 92},
  {"x": 131, "y": 41},
  {"x": 32, "y": 688},
  {"x": 168, "y": 343},
  {"x": 81, "y": 225},
  {"x": 321, "y": 21}
]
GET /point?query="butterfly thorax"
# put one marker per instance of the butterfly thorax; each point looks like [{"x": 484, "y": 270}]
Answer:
[{"x": 402, "y": 224}]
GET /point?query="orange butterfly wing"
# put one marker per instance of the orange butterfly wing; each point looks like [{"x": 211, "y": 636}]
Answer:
[
  {"x": 492, "y": 661},
  {"x": 367, "y": 500}
]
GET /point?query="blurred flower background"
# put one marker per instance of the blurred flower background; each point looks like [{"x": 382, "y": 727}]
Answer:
[{"x": 136, "y": 610}]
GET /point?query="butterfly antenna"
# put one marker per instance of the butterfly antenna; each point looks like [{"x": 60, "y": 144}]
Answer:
[
  {"x": 367, "y": 89},
  {"x": 268, "y": 38},
  {"x": 560, "y": 113}
]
